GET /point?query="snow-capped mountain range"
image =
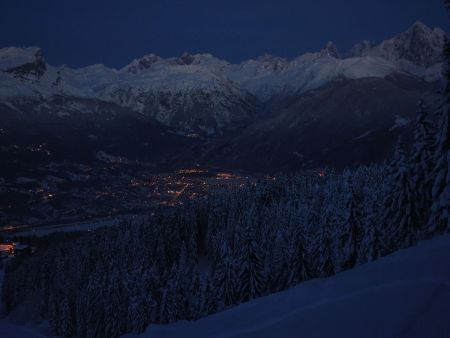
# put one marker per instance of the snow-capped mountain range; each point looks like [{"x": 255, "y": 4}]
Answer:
[{"x": 203, "y": 93}]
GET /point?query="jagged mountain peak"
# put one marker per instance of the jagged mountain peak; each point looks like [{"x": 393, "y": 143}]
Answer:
[
  {"x": 142, "y": 63},
  {"x": 11, "y": 57},
  {"x": 419, "y": 45},
  {"x": 419, "y": 25},
  {"x": 186, "y": 59},
  {"x": 361, "y": 49},
  {"x": 331, "y": 50},
  {"x": 265, "y": 63},
  {"x": 270, "y": 58},
  {"x": 26, "y": 63},
  {"x": 419, "y": 30},
  {"x": 200, "y": 59}
]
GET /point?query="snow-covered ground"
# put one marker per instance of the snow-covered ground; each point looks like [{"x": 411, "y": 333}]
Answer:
[
  {"x": 9, "y": 330},
  {"x": 404, "y": 295}
]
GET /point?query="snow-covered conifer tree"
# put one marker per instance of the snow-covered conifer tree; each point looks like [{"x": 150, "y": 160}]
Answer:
[
  {"x": 400, "y": 217},
  {"x": 352, "y": 229},
  {"x": 251, "y": 272},
  {"x": 439, "y": 220},
  {"x": 422, "y": 164}
]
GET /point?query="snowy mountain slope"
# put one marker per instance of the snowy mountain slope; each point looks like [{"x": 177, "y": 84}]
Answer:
[
  {"x": 181, "y": 92},
  {"x": 188, "y": 97},
  {"x": 406, "y": 294},
  {"x": 417, "y": 51},
  {"x": 13, "y": 57},
  {"x": 201, "y": 92},
  {"x": 322, "y": 128},
  {"x": 420, "y": 45},
  {"x": 305, "y": 73}
]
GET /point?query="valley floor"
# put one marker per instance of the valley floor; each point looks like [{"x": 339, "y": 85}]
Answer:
[{"x": 404, "y": 295}]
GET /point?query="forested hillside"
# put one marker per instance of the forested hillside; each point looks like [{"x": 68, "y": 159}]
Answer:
[{"x": 237, "y": 245}]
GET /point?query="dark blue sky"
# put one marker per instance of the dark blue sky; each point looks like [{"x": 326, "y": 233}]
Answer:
[{"x": 113, "y": 32}]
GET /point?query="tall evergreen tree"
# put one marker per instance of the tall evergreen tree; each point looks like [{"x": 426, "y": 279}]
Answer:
[
  {"x": 352, "y": 232},
  {"x": 325, "y": 245},
  {"x": 372, "y": 246},
  {"x": 95, "y": 307},
  {"x": 279, "y": 268},
  {"x": 114, "y": 311},
  {"x": 225, "y": 279},
  {"x": 422, "y": 164},
  {"x": 299, "y": 258},
  {"x": 169, "y": 297},
  {"x": 439, "y": 220},
  {"x": 400, "y": 216},
  {"x": 251, "y": 274}
]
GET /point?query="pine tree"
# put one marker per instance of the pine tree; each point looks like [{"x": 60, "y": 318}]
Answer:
[
  {"x": 95, "y": 316},
  {"x": 325, "y": 245},
  {"x": 209, "y": 300},
  {"x": 422, "y": 164},
  {"x": 81, "y": 313},
  {"x": 372, "y": 246},
  {"x": 194, "y": 303},
  {"x": 225, "y": 279},
  {"x": 352, "y": 235},
  {"x": 137, "y": 313},
  {"x": 54, "y": 315},
  {"x": 279, "y": 268},
  {"x": 299, "y": 258},
  {"x": 439, "y": 220},
  {"x": 114, "y": 311},
  {"x": 169, "y": 298},
  {"x": 400, "y": 217},
  {"x": 67, "y": 325},
  {"x": 251, "y": 274}
]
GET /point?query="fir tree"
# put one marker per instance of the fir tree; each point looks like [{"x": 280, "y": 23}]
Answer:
[
  {"x": 279, "y": 269},
  {"x": 400, "y": 216},
  {"x": 326, "y": 255},
  {"x": 137, "y": 313},
  {"x": 422, "y": 164},
  {"x": 95, "y": 316},
  {"x": 352, "y": 230},
  {"x": 251, "y": 274},
  {"x": 67, "y": 325},
  {"x": 225, "y": 279},
  {"x": 372, "y": 246},
  {"x": 114, "y": 307},
  {"x": 169, "y": 300},
  {"x": 439, "y": 220},
  {"x": 300, "y": 264}
]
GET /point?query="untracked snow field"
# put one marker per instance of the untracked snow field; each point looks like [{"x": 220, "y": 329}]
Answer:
[{"x": 404, "y": 295}]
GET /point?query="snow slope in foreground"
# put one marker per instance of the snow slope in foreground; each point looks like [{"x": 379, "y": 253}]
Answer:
[{"x": 404, "y": 295}]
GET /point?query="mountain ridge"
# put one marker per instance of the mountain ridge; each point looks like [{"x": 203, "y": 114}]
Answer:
[{"x": 202, "y": 95}]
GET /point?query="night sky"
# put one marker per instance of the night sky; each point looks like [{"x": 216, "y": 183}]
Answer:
[{"x": 113, "y": 32}]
